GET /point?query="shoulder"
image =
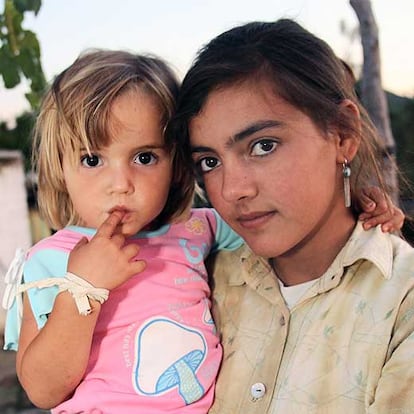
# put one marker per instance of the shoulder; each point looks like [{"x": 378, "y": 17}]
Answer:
[
  {"x": 201, "y": 221},
  {"x": 48, "y": 257},
  {"x": 388, "y": 253},
  {"x": 401, "y": 247},
  {"x": 224, "y": 264},
  {"x": 205, "y": 213},
  {"x": 403, "y": 257},
  {"x": 63, "y": 240}
]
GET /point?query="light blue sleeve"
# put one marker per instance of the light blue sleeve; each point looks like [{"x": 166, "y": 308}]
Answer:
[
  {"x": 41, "y": 265},
  {"x": 225, "y": 237}
]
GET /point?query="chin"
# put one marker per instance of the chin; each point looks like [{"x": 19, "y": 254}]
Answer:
[
  {"x": 127, "y": 230},
  {"x": 265, "y": 248}
]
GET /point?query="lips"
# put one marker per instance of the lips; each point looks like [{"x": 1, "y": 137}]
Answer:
[
  {"x": 255, "y": 220},
  {"x": 121, "y": 209}
]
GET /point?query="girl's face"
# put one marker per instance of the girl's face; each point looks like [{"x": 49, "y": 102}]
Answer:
[
  {"x": 132, "y": 174},
  {"x": 271, "y": 174}
]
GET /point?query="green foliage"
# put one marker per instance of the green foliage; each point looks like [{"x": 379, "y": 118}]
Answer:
[
  {"x": 19, "y": 137},
  {"x": 20, "y": 50}
]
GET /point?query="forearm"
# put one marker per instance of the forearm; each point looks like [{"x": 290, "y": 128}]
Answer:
[{"x": 54, "y": 362}]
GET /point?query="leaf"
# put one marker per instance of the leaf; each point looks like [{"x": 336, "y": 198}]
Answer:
[
  {"x": 27, "y": 62},
  {"x": 8, "y": 69},
  {"x": 11, "y": 76},
  {"x": 32, "y": 70},
  {"x": 28, "y": 40},
  {"x": 28, "y": 5},
  {"x": 20, "y": 50},
  {"x": 33, "y": 99}
]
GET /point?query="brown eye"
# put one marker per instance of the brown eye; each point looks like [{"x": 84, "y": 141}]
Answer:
[
  {"x": 264, "y": 147},
  {"x": 207, "y": 164},
  {"x": 145, "y": 158},
  {"x": 90, "y": 161}
]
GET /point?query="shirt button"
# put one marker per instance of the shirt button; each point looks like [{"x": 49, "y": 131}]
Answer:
[
  {"x": 282, "y": 321},
  {"x": 258, "y": 390}
]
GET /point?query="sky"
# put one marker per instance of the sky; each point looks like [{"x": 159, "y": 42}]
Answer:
[{"x": 176, "y": 29}]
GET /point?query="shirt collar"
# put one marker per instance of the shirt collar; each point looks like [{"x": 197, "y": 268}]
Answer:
[
  {"x": 372, "y": 245},
  {"x": 252, "y": 267}
]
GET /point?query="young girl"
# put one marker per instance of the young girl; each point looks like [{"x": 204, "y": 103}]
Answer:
[
  {"x": 103, "y": 161},
  {"x": 150, "y": 345}
]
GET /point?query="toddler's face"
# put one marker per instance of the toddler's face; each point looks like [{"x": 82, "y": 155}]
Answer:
[{"x": 132, "y": 174}]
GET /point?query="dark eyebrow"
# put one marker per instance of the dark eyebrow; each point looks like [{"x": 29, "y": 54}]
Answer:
[
  {"x": 244, "y": 133},
  {"x": 253, "y": 128}
]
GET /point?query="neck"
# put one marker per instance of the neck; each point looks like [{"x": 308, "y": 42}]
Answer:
[{"x": 311, "y": 258}]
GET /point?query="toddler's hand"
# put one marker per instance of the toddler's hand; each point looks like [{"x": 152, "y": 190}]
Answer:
[
  {"x": 379, "y": 209},
  {"x": 105, "y": 261}
]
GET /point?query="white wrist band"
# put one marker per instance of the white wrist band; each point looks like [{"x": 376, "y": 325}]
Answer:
[{"x": 80, "y": 289}]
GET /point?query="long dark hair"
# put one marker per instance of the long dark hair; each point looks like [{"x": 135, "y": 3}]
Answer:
[{"x": 303, "y": 70}]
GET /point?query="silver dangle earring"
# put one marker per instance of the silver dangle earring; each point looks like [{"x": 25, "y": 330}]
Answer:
[{"x": 346, "y": 172}]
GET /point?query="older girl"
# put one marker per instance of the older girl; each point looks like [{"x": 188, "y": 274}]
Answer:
[{"x": 315, "y": 314}]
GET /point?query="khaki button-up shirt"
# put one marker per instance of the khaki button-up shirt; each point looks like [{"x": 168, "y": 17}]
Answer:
[{"x": 346, "y": 347}]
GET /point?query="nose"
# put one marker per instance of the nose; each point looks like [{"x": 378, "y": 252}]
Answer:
[
  {"x": 238, "y": 183},
  {"x": 120, "y": 180}
]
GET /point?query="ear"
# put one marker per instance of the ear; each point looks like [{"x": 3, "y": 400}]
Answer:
[{"x": 348, "y": 142}]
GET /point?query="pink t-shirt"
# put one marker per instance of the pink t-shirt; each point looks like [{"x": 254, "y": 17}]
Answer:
[{"x": 155, "y": 347}]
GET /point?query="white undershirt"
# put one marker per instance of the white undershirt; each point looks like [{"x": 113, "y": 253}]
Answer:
[{"x": 292, "y": 294}]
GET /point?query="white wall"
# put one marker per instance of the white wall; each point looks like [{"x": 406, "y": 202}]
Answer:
[{"x": 14, "y": 216}]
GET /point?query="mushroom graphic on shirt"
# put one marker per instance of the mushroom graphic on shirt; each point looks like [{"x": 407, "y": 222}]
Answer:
[{"x": 168, "y": 355}]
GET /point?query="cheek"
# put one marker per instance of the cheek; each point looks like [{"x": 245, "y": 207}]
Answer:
[
  {"x": 71, "y": 190},
  {"x": 162, "y": 186},
  {"x": 167, "y": 181},
  {"x": 211, "y": 187},
  {"x": 213, "y": 191}
]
